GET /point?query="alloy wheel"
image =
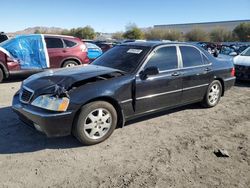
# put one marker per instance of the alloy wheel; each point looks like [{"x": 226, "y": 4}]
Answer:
[
  {"x": 70, "y": 65},
  {"x": 97, "y": 123},
  {"x": 214, "y": 94}
]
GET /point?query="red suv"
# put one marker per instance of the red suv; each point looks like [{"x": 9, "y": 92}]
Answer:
[{"x": 55, "y": 50}]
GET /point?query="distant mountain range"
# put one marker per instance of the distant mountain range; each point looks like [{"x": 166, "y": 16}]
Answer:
[{"x": 32, "y": 30}]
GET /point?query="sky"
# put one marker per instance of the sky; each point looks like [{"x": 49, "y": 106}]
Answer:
[{"x": 113, "y": 15}]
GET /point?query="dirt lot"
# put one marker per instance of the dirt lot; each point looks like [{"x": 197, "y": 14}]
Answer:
[{"x": 171, "y": 149}]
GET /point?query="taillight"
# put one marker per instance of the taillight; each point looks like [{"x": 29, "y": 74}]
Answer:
[
  {"x": 83, "y": 48},
  {"x": 9, "y": 59},
  {"x": 233, "y": 72}
]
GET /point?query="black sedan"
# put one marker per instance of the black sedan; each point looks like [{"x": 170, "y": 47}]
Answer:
[{"x": 130, "y": 80}]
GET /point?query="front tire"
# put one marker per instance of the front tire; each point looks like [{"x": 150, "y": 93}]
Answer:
[
  {"x": 95, "y": 123},
  {"x": 213, "y": 94}
]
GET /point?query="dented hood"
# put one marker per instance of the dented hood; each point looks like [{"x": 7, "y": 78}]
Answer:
[{"x": 65, "y": 77}]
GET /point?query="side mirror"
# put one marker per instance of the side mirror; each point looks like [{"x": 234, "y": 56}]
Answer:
[
  {"x": 150, "y": 71},
  {"x": 233, "y": 54}
]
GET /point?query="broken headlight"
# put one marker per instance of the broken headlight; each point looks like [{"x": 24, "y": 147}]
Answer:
[{"x": 51, "y": 102}]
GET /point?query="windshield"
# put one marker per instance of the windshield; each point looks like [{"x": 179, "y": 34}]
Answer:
[
  {"x": 246, "y": 52},
  {"x": 125, "y": 58}
]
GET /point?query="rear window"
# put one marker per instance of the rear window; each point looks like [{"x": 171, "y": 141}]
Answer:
[
  {"x": 90, "y": 45},
  {"x": 69, "y": 43},
  {"x": 3, "y": 38},
  {"x": 190, "y": 56},
  {"x": 54, "y": 43}
]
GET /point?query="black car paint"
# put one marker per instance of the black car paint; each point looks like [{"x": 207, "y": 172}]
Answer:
[
  {"x": 242, "y": 72},
  {"x": 131, "y": 95}
]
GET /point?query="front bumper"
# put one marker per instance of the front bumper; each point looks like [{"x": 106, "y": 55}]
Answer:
[{"x": 53, "y": 124}]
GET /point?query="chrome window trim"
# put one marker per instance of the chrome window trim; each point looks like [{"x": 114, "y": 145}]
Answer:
[
  {"x": 21, "y": 93},
  {"x": 161, "y": 75},
  {"x": 179, "y": 58},
  {"x": 184, "y": 68},
  {"x": 152, "y": 53}
]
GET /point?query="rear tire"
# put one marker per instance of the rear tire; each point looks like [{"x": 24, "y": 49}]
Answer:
[
  {"x": 70, "y": 63},
  {"x": 95, "y": 123},
  {"x": 1, "y": 75},
  {"x": 213, "y": 94}
]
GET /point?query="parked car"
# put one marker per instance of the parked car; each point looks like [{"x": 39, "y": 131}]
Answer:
[
  {"x": 132, "y": 40},
  {"x": 28, "y": 54},
  {"x": 128, "y": 81},
  {"x": 241, "y": 48},
  {"x": 210, "y": 47},
  {"x": 3, "y": 37},
  {"x": 227, "y": 52},
  {"x": 105, "y": 46},
  {"x": 93, "y": 51},
  {"x": 242, "y": 65}
]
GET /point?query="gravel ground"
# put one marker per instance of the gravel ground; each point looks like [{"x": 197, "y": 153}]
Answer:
[{"x": 170, "y": 149}]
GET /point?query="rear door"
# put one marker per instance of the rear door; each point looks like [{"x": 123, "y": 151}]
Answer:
[
  {"x": 161, "y": 90},
  {"x": 196, "y": 73},
  {"x": 56, "y": 51}
]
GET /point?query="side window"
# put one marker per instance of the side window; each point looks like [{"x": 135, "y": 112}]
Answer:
[
  {"x": 205, "y": 59},
  {"x": 164, "y": 58},
  {"x": 54, "y": 43},
  {"x": 69, "y": 43},
  {"x": 190, "y": 56},
  {"x": 3, "y": 38}
]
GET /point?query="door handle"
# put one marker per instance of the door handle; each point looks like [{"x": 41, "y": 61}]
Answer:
[
  {"x": 207, "y": 69},
  {"x": 64, "y": 51},
  {"x": 176, "y": 74}
]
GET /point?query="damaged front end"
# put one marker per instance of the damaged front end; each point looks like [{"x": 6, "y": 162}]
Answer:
[
  {"x": 53, "y": 92},
  {"x": 49, "y": 101}
]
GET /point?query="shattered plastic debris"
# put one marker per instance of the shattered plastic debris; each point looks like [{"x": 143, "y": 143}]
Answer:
[{"x": 221, "y": 153}]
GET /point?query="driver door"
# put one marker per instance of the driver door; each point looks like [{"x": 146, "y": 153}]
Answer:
[{"x": 161, "y": 90}]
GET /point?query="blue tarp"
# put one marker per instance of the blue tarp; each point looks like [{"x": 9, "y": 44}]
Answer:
[{"x": 30, "y": 50}]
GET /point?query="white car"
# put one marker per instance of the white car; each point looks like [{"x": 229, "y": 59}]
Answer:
[{"x": 242, "y": 65}]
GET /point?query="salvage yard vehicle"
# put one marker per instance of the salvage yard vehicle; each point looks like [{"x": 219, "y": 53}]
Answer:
[
  {"x": 93, "y": 51},
  {"x": 128, "y": 81},
  {"x": 105, "y": 46},
  {"x": 27, "y": 54},
  {"x": 227, "y": 52},
  {"x": 3, "y": 37},
  {"x": 242, "y": 65}
]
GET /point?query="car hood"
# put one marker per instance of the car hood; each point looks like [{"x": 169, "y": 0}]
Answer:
[
  {"x": 242, "y": 60},
  {"x": 66, "y": 77}
]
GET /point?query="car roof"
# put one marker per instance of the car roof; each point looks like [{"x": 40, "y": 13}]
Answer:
[
  {"x": 47, "y": 35},
  {"x": 152, "y": 44},
  {"x": 59, "y": 36}
]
